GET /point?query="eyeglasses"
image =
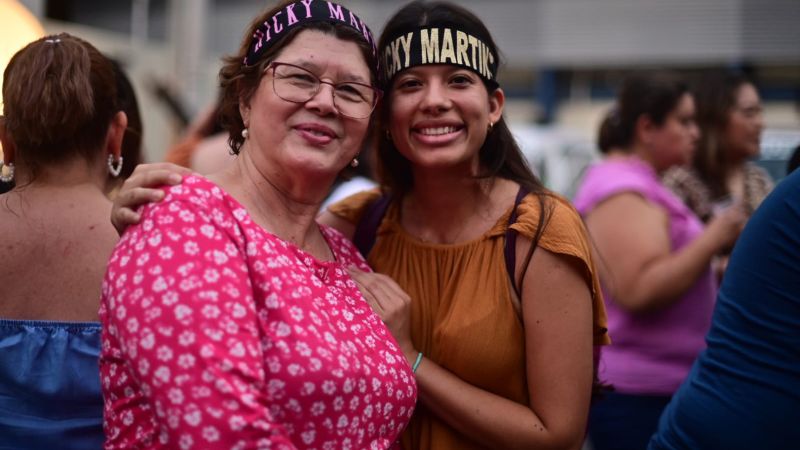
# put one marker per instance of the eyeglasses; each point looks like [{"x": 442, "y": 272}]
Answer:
[{"x": 298, "y": 85}]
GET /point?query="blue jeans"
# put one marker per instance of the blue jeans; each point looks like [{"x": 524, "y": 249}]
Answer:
[{"x": 624, "y": 421}]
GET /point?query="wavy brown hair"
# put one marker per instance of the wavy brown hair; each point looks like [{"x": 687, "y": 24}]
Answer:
[{"x": 715, "y": 97}]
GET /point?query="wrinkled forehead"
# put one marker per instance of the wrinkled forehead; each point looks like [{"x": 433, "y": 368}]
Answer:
[{"x": 324, "y": 53}]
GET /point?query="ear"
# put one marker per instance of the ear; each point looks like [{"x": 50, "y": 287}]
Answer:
[
  {"x": 644, "y": 129},
  {"x": 116, "y": 132},
  {"x": 7, "y": 147},
  {"x": 497, "y": 101},
  {"x": 244, "y": 111}
]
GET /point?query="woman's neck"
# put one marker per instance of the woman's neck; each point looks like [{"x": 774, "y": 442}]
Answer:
[
  {"x": 283, "y": 208},
  {"x": 74, "y": 173},
  {"x": 449, "y": 209},
  {"x": 734, "y": 181}
]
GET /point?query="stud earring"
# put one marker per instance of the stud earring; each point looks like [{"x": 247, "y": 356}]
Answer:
[
  {"x": 354, "y": 162},
  {"x": 9, "y": 177},
  {"x": 245, "y": 133},
  {"x": 114, "y": 169},
  {"x": 490, "y": 127}
]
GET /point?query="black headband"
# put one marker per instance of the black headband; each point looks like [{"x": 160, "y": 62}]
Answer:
[
  {"x": 298, "y": 14},
  {"x": 440, "y": 44}
]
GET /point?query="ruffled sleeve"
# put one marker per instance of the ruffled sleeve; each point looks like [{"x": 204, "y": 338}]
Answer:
[
  {"x": 353, "y": 207},
  {"x": 565, "y": 234}
]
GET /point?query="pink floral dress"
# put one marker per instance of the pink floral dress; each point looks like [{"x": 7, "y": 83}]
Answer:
[{"x": 219, "y": 335}]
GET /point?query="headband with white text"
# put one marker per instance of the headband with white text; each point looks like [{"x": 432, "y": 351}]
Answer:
[
  {"x": 299, "y": 14},
  {"x": 442, "y": 44}
]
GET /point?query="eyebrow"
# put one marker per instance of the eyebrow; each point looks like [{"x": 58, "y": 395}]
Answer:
[{"x": 312, "y": 67}]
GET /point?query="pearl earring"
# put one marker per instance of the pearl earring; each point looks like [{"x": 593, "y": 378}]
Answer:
[
  {"x": 245, "y": 133},
  {"x": 10, "y": 176},
  {"x": 114, "y": 169}
]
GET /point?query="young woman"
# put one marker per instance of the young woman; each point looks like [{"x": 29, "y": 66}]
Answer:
[{"x": 492, "y": 330}]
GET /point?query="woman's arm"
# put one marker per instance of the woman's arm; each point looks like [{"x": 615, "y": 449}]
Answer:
[
  {"x": 557, "y": 315},
  {"x": 140, "y": 188},
  {"x": 632, "y": 239}
]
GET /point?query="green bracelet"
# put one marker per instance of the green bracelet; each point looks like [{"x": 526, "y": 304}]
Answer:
[{"x": 416, "y": 363}]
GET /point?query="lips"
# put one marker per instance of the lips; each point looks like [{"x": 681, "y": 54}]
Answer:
[
  {"x": 437, "y": 133},
  {"x": 315, "y": 133},
  {"x": 317, "y": 130}
]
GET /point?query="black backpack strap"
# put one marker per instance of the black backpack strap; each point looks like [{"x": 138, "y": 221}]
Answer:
[
  {"x": 367, "y": 227},
  {"x": 511, "y": 239}
]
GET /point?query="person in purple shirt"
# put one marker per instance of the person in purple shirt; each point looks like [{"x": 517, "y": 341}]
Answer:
[{"x": 654, "y": 256}]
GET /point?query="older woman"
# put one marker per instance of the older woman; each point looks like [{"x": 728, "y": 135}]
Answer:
[
  {"x": 231, "y": 321},
  {"x": 655, "y": 256},
  {"x": 62, "y": 130}
]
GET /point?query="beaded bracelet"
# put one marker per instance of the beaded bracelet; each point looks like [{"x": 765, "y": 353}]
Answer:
[{"x": 416, "y": 363}]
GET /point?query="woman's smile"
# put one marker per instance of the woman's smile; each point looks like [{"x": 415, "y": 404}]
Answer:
[
  {"x": 437, "y": 132},
  {"x": 315, "y": 133}
]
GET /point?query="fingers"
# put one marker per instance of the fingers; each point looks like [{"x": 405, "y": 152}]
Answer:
[
  {"x": 154, "y": 177},
  {"x": 161, "y": 166},
  {"x": 122, "y": 218},
  {"x": 362, "y": 280},
  {"x": 370, "y": 288},
  {"x": 131, "y": 198},
  {"x": 139, "y": 189},
  {"x": 381, "y": 290}
]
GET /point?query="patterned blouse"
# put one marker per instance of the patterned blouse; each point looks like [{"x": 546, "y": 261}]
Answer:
[
  {"x": 686, "y": 183},
  {"x": 220, "y": 335}
]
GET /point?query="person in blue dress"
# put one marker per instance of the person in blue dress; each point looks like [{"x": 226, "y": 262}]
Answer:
[{"x": 62, "y": 130}]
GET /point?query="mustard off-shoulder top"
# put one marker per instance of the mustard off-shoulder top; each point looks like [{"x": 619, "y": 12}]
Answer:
[{"x": 463, "y": 315}]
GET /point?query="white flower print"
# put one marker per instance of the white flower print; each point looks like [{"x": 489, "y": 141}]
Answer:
[{"x": 211, "y": 321}]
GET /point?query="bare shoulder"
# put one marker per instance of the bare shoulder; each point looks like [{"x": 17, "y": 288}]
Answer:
[{"x": 626, "y": 205}]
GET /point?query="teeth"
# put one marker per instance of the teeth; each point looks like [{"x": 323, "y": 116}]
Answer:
[{"x": 437, "y": 131}]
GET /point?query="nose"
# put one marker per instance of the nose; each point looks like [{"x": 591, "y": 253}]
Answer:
[
  {"x": 759, "y": 120},
  {"x": 436, "y": 98},
  {"x": 322, "y": 102}
]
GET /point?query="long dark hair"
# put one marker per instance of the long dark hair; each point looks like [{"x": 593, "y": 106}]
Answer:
[
  {"x": 500, "y": 156},
  {"x": 715, "y": 97}
]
